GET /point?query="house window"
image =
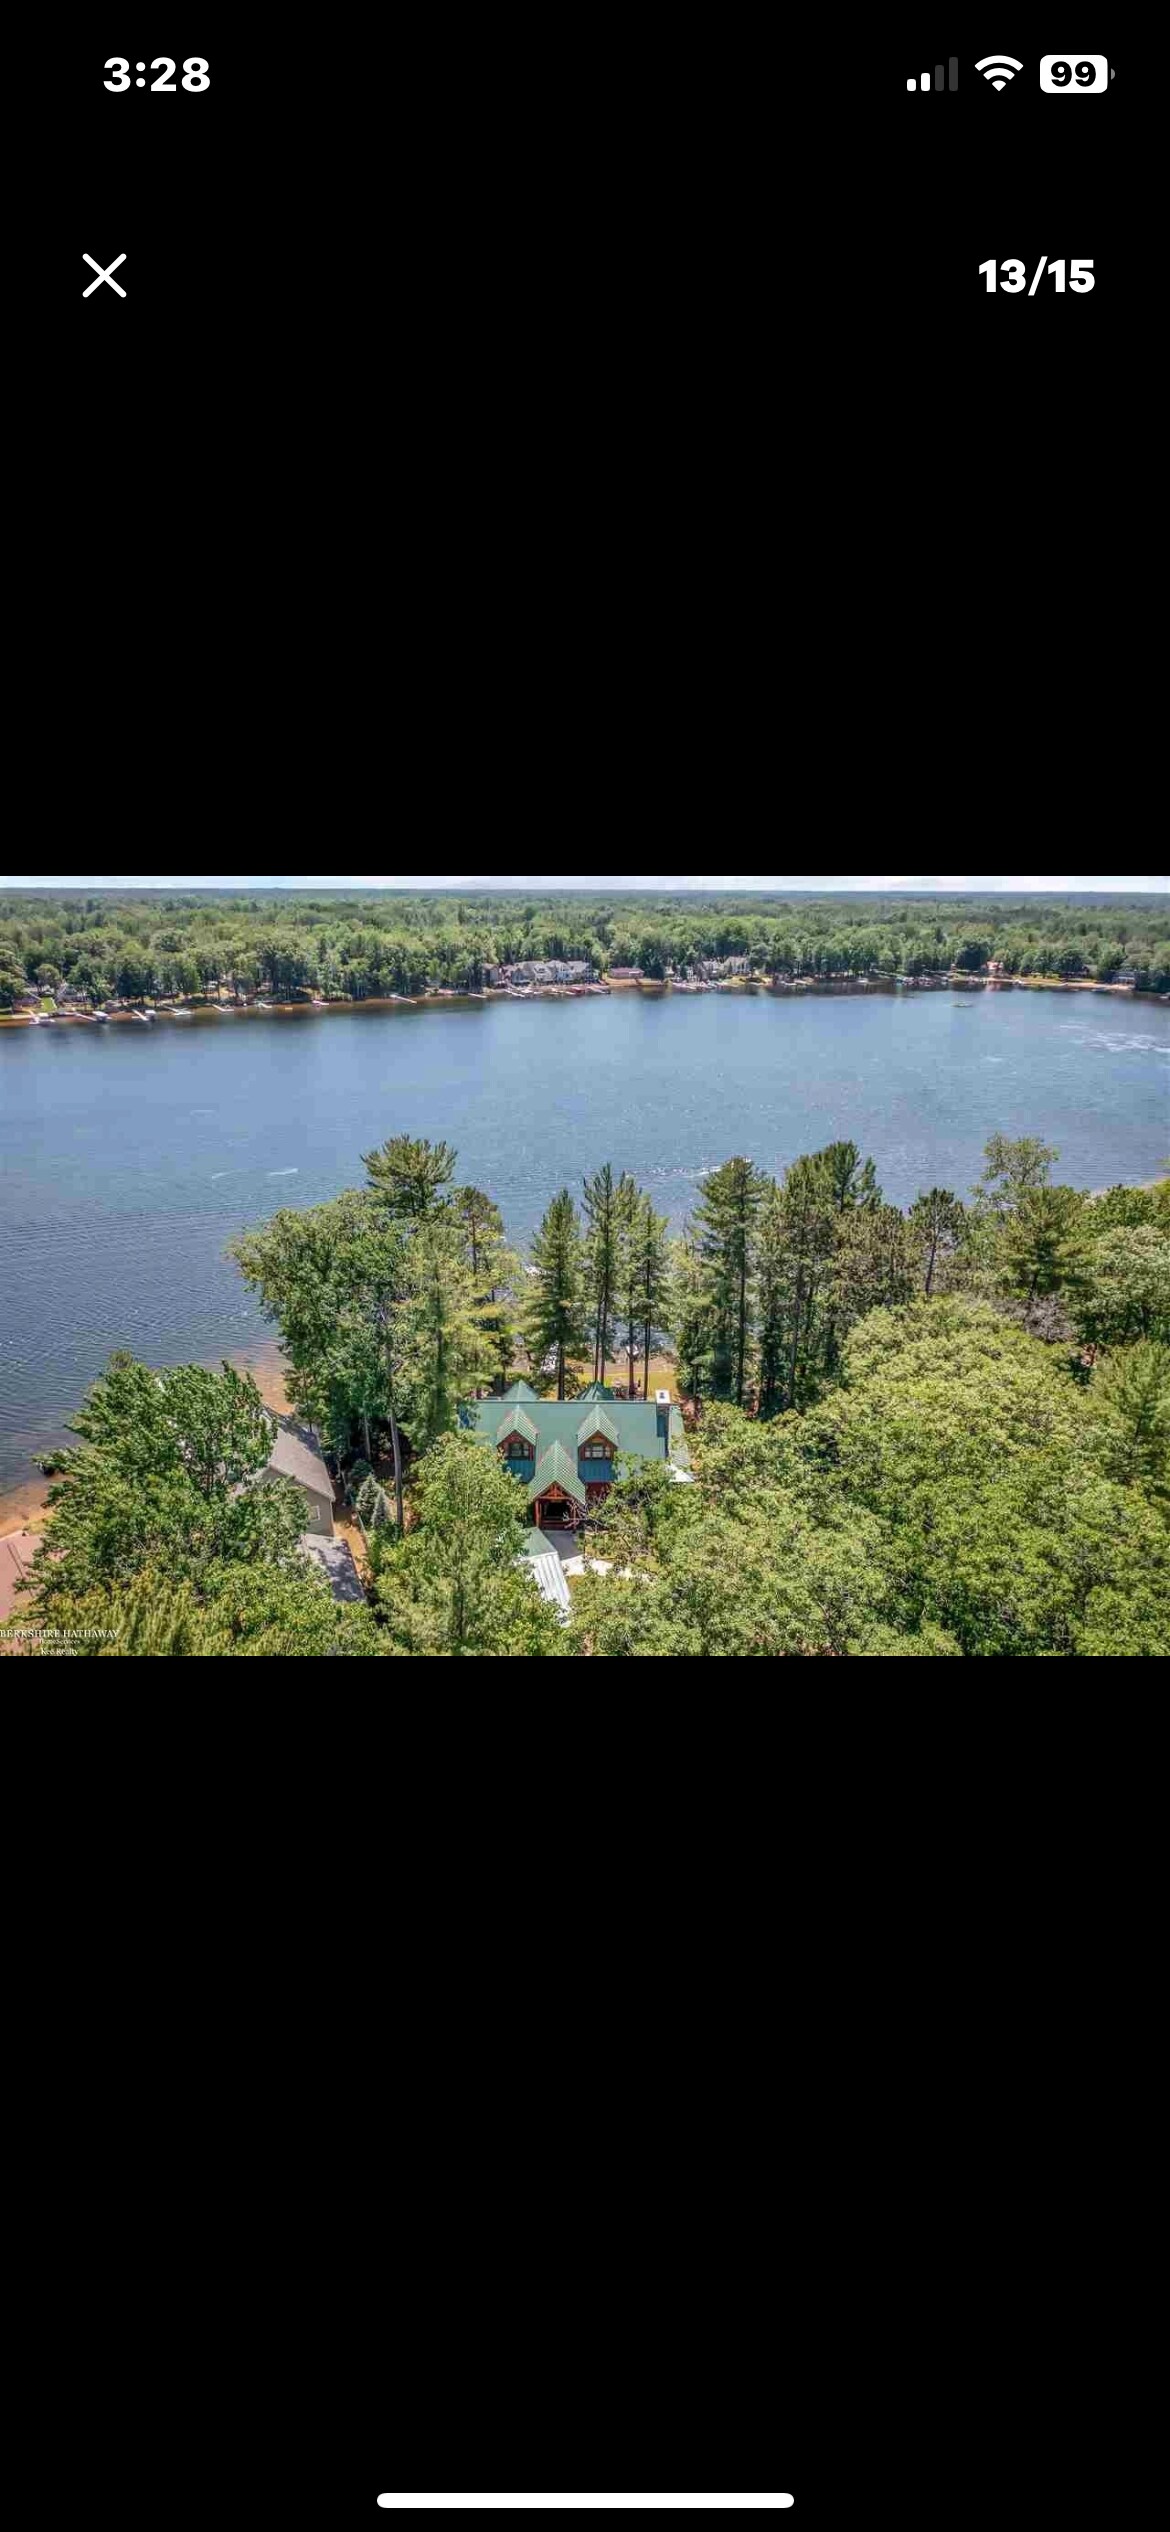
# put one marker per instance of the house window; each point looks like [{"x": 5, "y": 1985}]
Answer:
[
  {"x": 517, "y": 1448},
  {"x": 596, "y": 1450}
]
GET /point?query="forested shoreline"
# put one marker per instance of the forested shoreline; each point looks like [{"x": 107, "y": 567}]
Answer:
[
  {"x": 136, "y": 946},
  {"x": 942, "y": 1430}
]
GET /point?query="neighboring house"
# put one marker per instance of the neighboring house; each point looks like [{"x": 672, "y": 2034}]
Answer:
[
  {"x": 335, "y": 1558},
  {"x": 714, "y": 971},
  {"x": 565, "y": 1453},
  {"x": 544, "y": 971},
  {"x": 625, "y": 975},
  {"x": 296, "y": 1454}
]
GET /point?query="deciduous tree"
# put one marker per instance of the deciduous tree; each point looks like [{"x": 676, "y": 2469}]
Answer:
[
  {"x": 454, "y": 1587},
  {"x": 1124, "y": 1289},
  {"x": 1130, "y": 1407}
]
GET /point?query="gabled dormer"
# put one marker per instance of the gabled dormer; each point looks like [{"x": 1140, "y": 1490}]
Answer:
[
  {"x": 516, "y": 1441},
  {"x": 597, "y": 1435}
]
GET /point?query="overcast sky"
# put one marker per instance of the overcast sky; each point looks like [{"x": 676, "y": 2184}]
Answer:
[{"x": 720, "y": 881}]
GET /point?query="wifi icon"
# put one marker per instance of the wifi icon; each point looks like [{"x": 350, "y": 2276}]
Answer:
[{"x": 998, "y": 68}]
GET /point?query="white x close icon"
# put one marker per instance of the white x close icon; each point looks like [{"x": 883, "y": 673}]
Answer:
[{"x": 103, "y": 276}]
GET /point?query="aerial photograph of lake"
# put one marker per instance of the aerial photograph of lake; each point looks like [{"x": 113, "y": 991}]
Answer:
[
  {"x": 131, "y": 1157},
  {"x": 641, "y": 1158}
]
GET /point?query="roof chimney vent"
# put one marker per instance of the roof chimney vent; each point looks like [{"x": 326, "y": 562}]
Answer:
[{"x": 662, "y": 1397}]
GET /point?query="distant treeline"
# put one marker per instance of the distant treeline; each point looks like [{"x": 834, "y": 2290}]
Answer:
[{"x": 106, "y": 944}]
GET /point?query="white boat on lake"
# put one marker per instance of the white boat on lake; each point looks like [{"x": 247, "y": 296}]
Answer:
[{"x": 100, "y": 1015}]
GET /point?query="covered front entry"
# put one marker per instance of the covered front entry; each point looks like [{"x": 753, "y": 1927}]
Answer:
[
  {"x": 555, "y": 1510},
  {"x": 556, "y": 1494}
]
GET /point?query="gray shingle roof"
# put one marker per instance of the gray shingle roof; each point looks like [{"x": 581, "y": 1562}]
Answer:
[{"x": 295, "y": 1454}]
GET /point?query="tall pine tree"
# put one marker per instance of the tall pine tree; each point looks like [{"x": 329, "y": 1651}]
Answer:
[
  {"x": 602, "y": 1242},
  {"x": 853, "y": 1181},
  {"x": 797, "y": 1252},
  {"x": 728, "y": 1219},
  {"x": 555, "y": 1321},
  {"x": 629, "y": 1206},
  {"x": 652, "y": 1246},
  {"x": 411, "y": 1178}
]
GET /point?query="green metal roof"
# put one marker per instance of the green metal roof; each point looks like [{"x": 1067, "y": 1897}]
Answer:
[
  {"x": 555, "y": 1468},
  {"x": 517, "y": 1422},
  {"x": 595, "y": 1423},
  {"x": 634, "y": 1420},
  {"x": 519, "y": 1389},
  {"x": 596, "y": 1389}
]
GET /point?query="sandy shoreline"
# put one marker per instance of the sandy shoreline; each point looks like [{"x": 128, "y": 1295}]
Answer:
[{"x": 565, "y": 993}]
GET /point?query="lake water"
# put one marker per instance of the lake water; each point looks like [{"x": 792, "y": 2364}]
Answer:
[{"x": 131, "y": 1156}]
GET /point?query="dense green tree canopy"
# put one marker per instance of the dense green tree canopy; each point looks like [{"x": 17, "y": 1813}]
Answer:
[
  {"x": 956, "y": 1494},
  {"x": 457, "y": 1585},
  {"x": 939, "y": 1432},
  {"x": 161, "y": 1539},
  {"x": 162, "y": 942}
]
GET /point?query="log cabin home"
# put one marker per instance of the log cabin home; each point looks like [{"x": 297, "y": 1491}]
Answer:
[{"x": 565, "y": 1453}]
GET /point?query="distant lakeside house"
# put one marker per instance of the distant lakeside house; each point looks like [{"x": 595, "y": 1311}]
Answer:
[
  {"x": 714, "y": 971},
  {"x": 541, "y": 971},
  {"x": 564, "y": 1452}
]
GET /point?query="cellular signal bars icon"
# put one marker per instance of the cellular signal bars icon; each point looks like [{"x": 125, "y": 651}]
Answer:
[{"x": 924, "y": 82}]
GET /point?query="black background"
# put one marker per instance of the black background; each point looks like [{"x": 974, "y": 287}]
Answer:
[
  {"x": 984, "y": 460},
  {"x": 188, "y": 186},
  {"x": 1002, "y": 173},
  {"x": 637, "y": 265}
]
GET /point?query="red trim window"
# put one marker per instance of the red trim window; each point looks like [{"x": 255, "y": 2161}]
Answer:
[
  {"x": 596, "y": 1450},
  {"x": 517, "y": 1448}
]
